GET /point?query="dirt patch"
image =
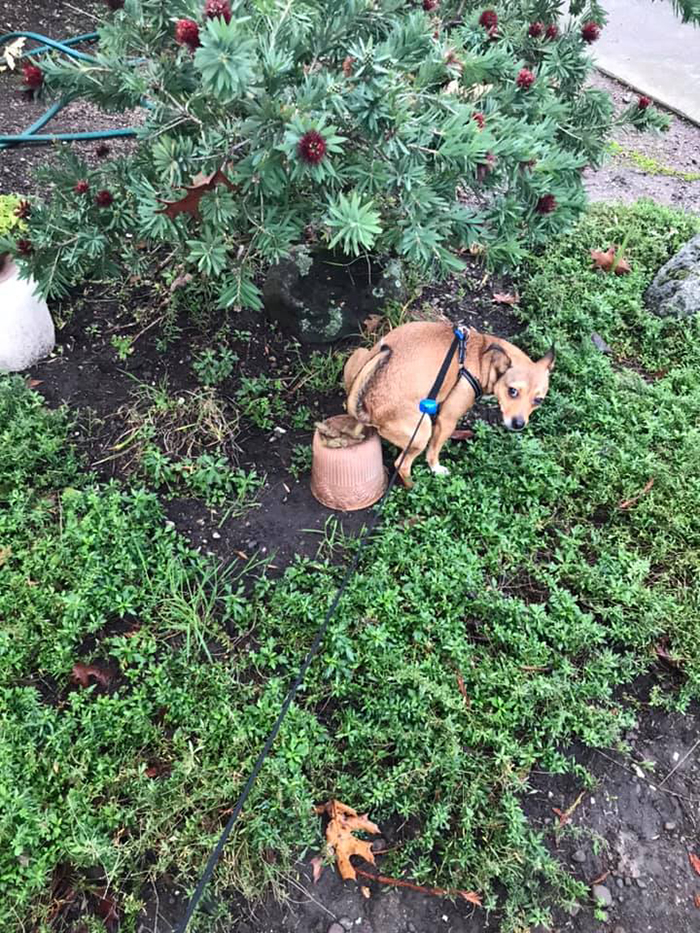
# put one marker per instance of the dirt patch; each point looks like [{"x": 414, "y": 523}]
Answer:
[{"x": 624, "y": 179}]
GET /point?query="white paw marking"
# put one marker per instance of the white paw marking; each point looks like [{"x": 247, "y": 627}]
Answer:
[{"x": 440, "y": 470}]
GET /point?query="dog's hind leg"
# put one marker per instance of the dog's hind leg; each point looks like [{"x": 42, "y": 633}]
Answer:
[
  {"x": 397, "y": 433},
  {"x": 451, "y": 410}
]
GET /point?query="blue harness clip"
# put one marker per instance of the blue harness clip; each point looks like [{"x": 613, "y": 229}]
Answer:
[{"x": 429, "y": 406}]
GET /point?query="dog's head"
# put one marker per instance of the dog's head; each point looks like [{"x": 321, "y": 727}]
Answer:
[{"x": 519, "y": 384}]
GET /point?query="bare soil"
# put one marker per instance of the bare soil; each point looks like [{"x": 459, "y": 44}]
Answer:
[{"x": 634, "y": 831}]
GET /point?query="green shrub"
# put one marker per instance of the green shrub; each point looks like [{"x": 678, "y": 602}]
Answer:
[{"x": 368, "y": 125}]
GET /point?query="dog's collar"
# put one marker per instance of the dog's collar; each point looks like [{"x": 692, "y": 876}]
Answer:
[{"x": 462, "y": 338}]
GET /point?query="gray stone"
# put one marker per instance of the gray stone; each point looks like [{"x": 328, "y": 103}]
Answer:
[
  {"x": 670, "y": 825},
  {"x": 579, "y": 856},
  {"x": 26, "y": 329},
  {"x": 619, "y": 929},
  {"x": 316, "y": 307},
  {"x": 628, "y": 882},
  {"x": 641, "y": 883},
  {"x": 336, "y": 928},
  {"x": 620, "y": 883},
  {"x": 600, "y": 344},
  {"x": 602, "y": 895},
  {"x": 393, "y": 285},
  {"x": 346, "y": 923},
  {"x": 675, "y": 291}
]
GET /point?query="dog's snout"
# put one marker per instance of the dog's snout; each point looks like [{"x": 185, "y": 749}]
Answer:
[{"x": 517, "y": 423}]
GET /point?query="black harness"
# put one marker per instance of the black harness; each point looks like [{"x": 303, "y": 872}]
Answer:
[{"x": 430, "y": 405}]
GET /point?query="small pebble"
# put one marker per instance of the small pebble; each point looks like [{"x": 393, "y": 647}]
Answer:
[
  {"x": 346, "y": 923},
  {"x": 628, "y": 882},
  {"x": 641, "y": 883},
  {"x": 579, "y": 856},
  {"x": 602, "y": 895},
  {"x": 215, "y": 535},
  {"x": 620, "y": 883},
  {"x": 619, "y": 929},
  {"x": 336, "y": 928},
  {"x": 670, "y": 825}
]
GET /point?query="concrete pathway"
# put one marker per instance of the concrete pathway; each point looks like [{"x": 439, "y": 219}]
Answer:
[{"x": 646, "y": 46}]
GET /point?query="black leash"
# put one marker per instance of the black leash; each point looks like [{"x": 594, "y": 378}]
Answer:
[{"x": 320, "y": 634}]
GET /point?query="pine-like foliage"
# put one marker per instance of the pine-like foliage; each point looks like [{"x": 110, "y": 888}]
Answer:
[{"x": 367, "y": 125}]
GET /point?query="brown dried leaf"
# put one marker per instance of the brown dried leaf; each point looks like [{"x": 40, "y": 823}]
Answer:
[
  {"x": 696, "y": 901},
  {"x": 371, "y": 323},
  {"x": 106, "y": 908},
  {"x": 695, "y": 862},
  {"x": 505, "y": 298},
  {"x": 344, "y": 821},
  {"x": 189, "y": 203},
  {"x": 83, "y": 673},
  {"x": 465, "y": 435},
  {"x": 628, "y": 503},
  {"x": 366, "y": 892},
  {"x": 606, "y": 260},
  {"x": 33, "y": 383},
  {"x": 317, "y": 867}
]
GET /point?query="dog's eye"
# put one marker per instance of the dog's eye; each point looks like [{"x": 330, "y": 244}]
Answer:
[
  {"x": 512, "y": 392},
  {"x": 537, "y": 400}
]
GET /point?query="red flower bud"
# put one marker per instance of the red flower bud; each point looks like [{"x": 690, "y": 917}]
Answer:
[
  {"x": 551, "y": 32},
  {"x": 590, "y": 32},
  {"x": 104, "y": 198},
  {"x": 82, "y": 187},
  {"x": 644, "y": 102},
  {"x": 546, "y": 204},
  {"x": 525, "y": 79},
  {"x": 312, "y": 147},
  {"x": 216, "y": 8},
  {"x": 187, "y": 33},
  {"x": 536, "y": 30},
  {"x": 33, "y": 77},
  {"x": 489, "y": 19}
]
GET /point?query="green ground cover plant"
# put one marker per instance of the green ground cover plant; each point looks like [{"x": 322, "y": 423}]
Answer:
[{"x": 526, "y": 573}]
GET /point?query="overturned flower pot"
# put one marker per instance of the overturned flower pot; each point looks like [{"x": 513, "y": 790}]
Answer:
[
  {"x": 347, "y": 472},
  {"x": 26, "y": 329}
]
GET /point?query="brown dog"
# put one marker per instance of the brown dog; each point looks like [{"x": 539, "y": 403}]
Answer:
[{"x": 385, "y": 386}]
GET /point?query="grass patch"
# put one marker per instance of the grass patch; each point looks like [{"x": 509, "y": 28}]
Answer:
[
  {"x": 520, "y": 575},
  {"x": 649, "y": 165}
]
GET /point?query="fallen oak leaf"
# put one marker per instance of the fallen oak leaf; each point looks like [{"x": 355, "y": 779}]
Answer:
[
  {"x": 695, "y": 862},
  {"x": 608, "y": 261},
  {"x": 565, "y": 815},
  {"x": 470, "y": 896},
  {"x": 344, "y": 821},
  {"x": 82, "y": 673},
  {"x": 505, "y": 298},
  {"x": 462, "y": 435},
  {"x": 189, "y": 203},
  {"x": 371, "y": 323}
]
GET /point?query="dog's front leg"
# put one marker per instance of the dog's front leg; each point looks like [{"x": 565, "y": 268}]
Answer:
[{"x": 452, "y": 409}]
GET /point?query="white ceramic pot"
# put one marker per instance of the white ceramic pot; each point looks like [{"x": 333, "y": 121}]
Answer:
[{"x": 26, "y": 330}]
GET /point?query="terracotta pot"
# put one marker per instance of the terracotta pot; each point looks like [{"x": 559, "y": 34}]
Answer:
[{"x": 348, "y": 478}]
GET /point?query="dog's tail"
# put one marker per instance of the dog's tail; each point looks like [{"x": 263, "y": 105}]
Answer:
[{"x": 362, "y": 381}]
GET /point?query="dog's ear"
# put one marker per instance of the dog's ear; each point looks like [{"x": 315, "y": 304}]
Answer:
[
  {"x": 498, "y": 362},
  {"x": 548, "y": 359}
]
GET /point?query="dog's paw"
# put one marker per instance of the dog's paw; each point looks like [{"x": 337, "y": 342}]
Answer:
[{"x": 440, "y": 470}]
